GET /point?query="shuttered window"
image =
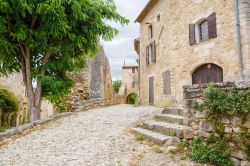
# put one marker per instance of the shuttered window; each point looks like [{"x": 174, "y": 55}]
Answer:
[
  {"x": 203, "y": 30},
  {"x": 207, "y": 30},
  {"x": 150, "y": 31},
  {"x": 133, "y": 84},
  {"x": 212, "y": 26},
  {"x": 166, "y": 83},
  {"x": 151, "y": 53},
  {"x": 147, "y": 55},
  {"x": 192, "y": 40}
]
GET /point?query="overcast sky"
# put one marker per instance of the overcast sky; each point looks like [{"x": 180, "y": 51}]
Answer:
[{"x": 122, "y": 47}]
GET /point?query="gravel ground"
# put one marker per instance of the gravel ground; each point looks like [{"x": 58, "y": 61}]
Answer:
[{"x": 98, "y": 137}]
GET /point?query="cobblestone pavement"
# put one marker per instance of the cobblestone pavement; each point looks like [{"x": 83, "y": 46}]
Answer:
[{"x": 98, "y": 137}]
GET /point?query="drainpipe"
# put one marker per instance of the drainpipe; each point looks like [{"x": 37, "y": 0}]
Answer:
[{"x": 239, "y": 39}]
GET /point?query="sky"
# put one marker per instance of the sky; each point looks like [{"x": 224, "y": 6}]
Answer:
[{"x": 122, "y": 47}]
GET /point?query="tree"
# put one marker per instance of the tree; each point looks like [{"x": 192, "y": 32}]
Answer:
[
  {"x": 45, "y": 39},
  {"x": 117, "y": 85}
]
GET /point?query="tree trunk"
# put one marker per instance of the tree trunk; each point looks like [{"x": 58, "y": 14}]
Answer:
[{"x": 34, "y": 97}]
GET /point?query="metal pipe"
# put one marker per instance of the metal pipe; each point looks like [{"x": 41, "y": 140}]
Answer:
[{"x": 239, "y": 39}]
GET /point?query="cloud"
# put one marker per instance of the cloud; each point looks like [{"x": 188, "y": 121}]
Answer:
[{"x": 122, "y": 47}]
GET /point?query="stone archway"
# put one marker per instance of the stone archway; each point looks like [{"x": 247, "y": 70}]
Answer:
[
  {"x": 207, "y": 73},
  {"x": 131, "y": 98}
]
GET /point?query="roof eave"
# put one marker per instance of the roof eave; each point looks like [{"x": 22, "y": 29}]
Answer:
[{"x": 143, "y": 13}]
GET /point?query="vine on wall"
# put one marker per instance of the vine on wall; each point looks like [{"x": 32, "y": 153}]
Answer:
[{"x": 227, "y": 103}]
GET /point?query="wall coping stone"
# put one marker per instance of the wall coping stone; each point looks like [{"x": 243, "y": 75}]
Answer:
[{"x": 14, "y": 132}]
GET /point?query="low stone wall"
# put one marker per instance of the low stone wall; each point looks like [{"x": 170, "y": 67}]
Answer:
[
  {"x": 196, "y": 120},
  {"x": 16, "y": 132},
  {"x": 88, "y": 104}
]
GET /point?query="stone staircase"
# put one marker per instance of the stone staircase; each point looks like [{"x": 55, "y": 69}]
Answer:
[{"x": 167, "y": 128}]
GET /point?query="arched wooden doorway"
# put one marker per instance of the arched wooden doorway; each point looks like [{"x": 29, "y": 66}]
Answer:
[{"x": 207, "y": 73}]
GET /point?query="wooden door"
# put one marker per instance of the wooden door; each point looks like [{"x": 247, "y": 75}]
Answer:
[
  {"x": 208, "y": 73},
  {"x": 151, "y": 91}
]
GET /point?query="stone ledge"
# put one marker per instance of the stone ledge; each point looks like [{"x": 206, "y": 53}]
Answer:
[
  {"x": 19, "y": 130},
  {"x": 15, "y": 132}
]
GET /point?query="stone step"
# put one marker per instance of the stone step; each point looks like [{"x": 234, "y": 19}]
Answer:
[
  {"x": 173, "y": 110},
  {"x": 158, "y": 138},
  {"x": 170, "y": 118},
  {"x": 170, "y": 129}
]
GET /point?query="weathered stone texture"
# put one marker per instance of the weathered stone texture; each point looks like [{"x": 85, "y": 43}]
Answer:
[
  {"x": 129, "y": 81},
  {"x": 198, "y": 122},
  {"x": 174, "y": 53}
]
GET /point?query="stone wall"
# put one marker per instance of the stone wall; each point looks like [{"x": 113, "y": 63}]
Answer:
[
  {"x": 128, "y": 79},
  {"x": 14, "y": 83},
  {"x": 196, "y": 120},
  {"x": 173, "y": 52}
]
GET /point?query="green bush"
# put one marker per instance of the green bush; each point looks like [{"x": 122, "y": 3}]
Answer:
[
  {"x": 132, "y": 98},
  {"x": 214, "y": 152},
  {"x": 117, "y": 85},
  {"x": 8, "y": 101}
]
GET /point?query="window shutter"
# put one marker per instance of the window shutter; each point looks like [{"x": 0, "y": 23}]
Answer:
[
  {"x": 166, "y": 83},
  {"x": 147, "y": 55},
  {"x": 212, "y": 29},
  {"x": 154, "y": 52},
  {"x": 192, "y": 40}
]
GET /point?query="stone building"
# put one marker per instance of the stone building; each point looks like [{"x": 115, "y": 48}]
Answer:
[
  {"x": 129, "y": 82},
  {"x": 191, "y": 42}
]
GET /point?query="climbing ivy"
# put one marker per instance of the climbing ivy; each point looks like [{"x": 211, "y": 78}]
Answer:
[
  {"x": 226, "y": 103},
  {"x": 8, "y": 109}
]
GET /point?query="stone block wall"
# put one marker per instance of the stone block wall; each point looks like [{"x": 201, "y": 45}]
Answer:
[
  {"x": 196, "y": 120},
  {"x": 174, "y": 54}
]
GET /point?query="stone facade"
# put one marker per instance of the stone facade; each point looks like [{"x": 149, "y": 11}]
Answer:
[
  {"x": 170, "y": 22},
  {"x": 93, "y": 85},
  {"x": 198, "y": 123},
  {"x": 129, "y": 81}
]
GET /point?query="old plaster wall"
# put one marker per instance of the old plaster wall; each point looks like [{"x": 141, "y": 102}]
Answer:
[{"x": 174, "y": 53}]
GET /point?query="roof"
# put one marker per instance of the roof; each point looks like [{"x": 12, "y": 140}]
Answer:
[
  {"x": 146, "y": 9},
  {"x": 127, "y": 67}
]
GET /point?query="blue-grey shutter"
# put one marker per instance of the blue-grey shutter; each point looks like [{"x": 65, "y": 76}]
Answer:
[
  {"x": 166, "y": 83},
  {"x": 147, "y": 55}
]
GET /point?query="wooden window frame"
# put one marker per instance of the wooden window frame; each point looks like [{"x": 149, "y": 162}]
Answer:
[
  {"x": 150, "y": 31},
  {"x": 203, "y": 31}
]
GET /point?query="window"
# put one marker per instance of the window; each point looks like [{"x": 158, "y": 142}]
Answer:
[
  {"x": 166, "y": 83},
  {"x": 150, "y": 31},
  {"x": 151, "y": 53},
  {"x": 133, "y": 70},
  {"x": 158, "y": 18},
  {"x": 133, "y": 84},
  {"x": 203, "y": 30}
]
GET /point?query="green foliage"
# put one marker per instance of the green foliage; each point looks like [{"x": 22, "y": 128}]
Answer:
[
  {"x": 69, "y": 31},
  {"x": 183, "y": 146},
  {"x": 117, "y": 85},
  {"x": 140, "y": 138},
  {"x": 158, "y": 150},
  {"x": 132, "y": 98},
  {"x": 197, "y": 106},
  {"x": 8, "y": 101},
  {"x": 225, "y": 103},
  {"x": 214, "y": 151}
]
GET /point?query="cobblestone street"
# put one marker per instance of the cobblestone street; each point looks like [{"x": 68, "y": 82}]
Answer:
[{"x": 97, "y": 137}]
